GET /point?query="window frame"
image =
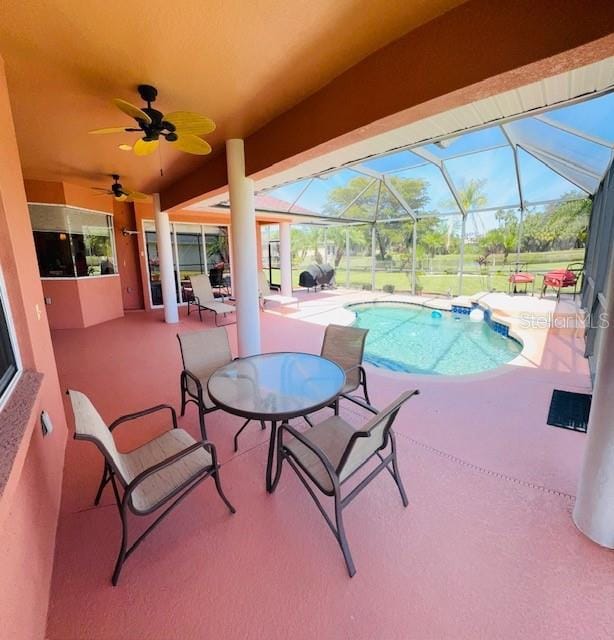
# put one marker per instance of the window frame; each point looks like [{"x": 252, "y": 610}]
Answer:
[
  {"x": 111, "y": 221},
  {"x": 7, "y": 315}
]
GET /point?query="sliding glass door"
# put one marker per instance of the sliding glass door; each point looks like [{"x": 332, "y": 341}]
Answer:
[{"x": 197, "y": 249}]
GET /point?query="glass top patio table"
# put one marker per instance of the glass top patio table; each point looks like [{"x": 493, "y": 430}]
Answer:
[{"x": 276, "y": 387}]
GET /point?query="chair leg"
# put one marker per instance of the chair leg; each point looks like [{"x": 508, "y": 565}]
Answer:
[
  {"x": 183, "y": 402},
  {"x": 201, "y": 421},
  {"x": 308, "y": 421},
  {"x": 103, "y": 482},
  {"x": 395, "y": 468},
  {"x": 263, "y": 425},
  {"x": 364, "y": 387},
  {"x": 218, "y": 486},
  {"x": 341, "y": 537},
  {"x": 121, "y": 557},
  {"x": 280, "y": 460},
  {"x": 239, "y": 432},
  {"x": 336, "y": 407}
]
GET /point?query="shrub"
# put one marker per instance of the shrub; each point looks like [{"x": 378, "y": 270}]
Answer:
[{"x": 388, "y": 288}]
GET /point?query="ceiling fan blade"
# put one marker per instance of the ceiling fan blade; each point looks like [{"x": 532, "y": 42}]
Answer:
[
  {"x": 100, "y": 189},
  {"x": 108, "y": 130},
  {"x": 189, "y": 143},
  {"x": 106, "y": 194},
  {"x": 131, "y": 110},
  {"x": 145, "y": 147},
  {"x": 137, "y": 195},
  {"x": 188, "y": 122}
]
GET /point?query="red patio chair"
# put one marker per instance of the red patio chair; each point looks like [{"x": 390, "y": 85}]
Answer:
[
  {"x": 563, "y": 278},
  {"x": 521, "y": 276}
]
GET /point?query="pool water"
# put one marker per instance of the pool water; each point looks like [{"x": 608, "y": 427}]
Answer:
[{"x": 405, "y": 337}]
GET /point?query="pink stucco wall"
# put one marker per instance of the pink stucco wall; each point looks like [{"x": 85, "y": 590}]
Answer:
[
  {"x": 29, "y": 511},
  {"x": 83, "y": 302}
]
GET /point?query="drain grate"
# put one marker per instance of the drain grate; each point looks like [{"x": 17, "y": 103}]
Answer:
[{"x": 569, "y": 410}]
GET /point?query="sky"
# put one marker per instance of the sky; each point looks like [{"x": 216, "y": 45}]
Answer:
[{"x": 546, "y": 149}]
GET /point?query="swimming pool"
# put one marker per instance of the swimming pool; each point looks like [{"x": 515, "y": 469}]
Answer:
[{"x": 406, "y": 337}]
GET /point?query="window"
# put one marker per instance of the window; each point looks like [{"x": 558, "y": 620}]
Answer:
[
  {"x": 72, "y": 242},
  {"x": 8, "y": 355}
]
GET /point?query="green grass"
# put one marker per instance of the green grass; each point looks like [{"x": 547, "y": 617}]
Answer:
[{"x": 444, "y": 280}]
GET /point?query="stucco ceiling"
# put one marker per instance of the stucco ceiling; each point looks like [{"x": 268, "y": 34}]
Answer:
[{"x": 239, "y": 62}]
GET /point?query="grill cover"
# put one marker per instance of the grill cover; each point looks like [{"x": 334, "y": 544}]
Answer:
[{"x": 316, "y": 274}]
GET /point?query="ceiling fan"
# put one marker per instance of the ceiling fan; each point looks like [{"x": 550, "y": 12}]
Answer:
[
  {"x": 181, "y": 128},
  {"x": 119, "y": 193}
]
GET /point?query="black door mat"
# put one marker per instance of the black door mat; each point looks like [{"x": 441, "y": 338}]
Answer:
[{"x": 569, "y": 410}]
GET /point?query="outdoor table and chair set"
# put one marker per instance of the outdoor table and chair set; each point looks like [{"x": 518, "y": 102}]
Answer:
[{"x": 273, "y": 388}]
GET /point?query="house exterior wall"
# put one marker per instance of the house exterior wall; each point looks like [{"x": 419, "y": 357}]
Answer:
[{"x": 30, "y": 502}]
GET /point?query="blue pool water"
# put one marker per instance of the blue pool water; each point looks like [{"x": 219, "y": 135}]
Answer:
[{"x": 405, "y": 337}]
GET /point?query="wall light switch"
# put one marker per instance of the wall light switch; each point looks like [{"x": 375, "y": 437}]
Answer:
[
  {"x": 39, "y": 313},
  {"x": 47, "y": 300},
  {"x": 46, "y": 424}
]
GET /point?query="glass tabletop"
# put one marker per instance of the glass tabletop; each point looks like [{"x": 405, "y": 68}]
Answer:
[{"x": 276, "y": 386}]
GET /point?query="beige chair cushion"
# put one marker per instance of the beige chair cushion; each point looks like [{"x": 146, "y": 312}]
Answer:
[
  {"x": 332, "y": 437},
  {"x": 204, "y": 352},
  {"x": 202, "y": 290},
  {"x": 268, "y": 295},
  {"x": 162, "y": 483},
  {"x": 345, "y": 346}
]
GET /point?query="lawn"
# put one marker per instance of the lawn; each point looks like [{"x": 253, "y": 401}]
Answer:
[{"x": 444, "y": 277}]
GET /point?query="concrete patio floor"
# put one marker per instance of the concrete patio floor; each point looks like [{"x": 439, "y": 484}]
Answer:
[{"x": 486, "y": 549}]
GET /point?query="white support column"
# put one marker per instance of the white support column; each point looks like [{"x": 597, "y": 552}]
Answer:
[
  {"x": 245, "y": 255},
  {"x": 593, "y": 512},
  {"x": 165, "y": 257},
  {"x": 285, "y": 258}
]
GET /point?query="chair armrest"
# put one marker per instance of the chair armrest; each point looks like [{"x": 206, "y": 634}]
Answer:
[
  {"x": 145, "y": 412},
  {"x": 199, "y": 387},
  {"x": 362, "y": 403},
  {"x": 311, "y": 446},
  {"x": 205, "y": 444}
]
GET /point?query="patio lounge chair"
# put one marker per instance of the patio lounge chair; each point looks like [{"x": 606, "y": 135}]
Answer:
[
  {"x": 203, "y": 298},
  {"x": 346, "y": 346},
  {"x": 160, "y": 471},
  {"x": 202, "y": 352},
  {"x": 563, "y": 278},
  {"x": 521, "y": 276},
  {"x": 266, "y": 295},
  {"x": 333, "y": 451}
]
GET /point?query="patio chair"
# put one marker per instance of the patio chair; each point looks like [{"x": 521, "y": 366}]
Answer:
[
  {"x": 161, "y": 471},
  {"x": 266, "y": 295},
  {"x": 203, "y": 298},
  {"x": 346, "y": 346},
  {"x": 563, "y": 278},
  {"x": 333, "y": 451},
  {"x": 202, "y": 352},
  {"x": 521, "y": 276}
]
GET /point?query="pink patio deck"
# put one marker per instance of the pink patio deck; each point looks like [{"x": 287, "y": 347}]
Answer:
[{"x": 486, "y": 549}]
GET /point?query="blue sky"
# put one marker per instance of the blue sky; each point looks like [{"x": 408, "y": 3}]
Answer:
[{"x": 566, "y": 153}]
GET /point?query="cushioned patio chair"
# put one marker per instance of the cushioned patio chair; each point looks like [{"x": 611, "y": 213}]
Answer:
[
  {"x": 331, "y": 452},
  {"x": 202, "y": 352},
  {"x": 520, "y": 276},
  {"x": 267, "y": 295},
  {"x": 346, "y": 347},
  {"x": 161, "y": 471},
  {"x": 563, "y": 278},
  {"x": 203, "y": 298}
]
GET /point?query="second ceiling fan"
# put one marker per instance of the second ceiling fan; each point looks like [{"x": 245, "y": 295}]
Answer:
[{"x": 182, "y": 129}]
